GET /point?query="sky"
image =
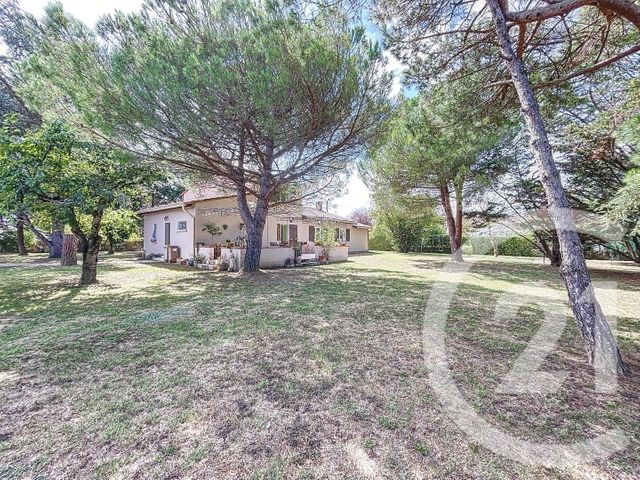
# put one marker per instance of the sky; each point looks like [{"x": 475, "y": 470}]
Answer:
[{"x": 356, "y": 194}]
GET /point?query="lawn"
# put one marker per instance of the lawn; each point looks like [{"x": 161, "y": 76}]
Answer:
[{"x": 167, "y": 372}]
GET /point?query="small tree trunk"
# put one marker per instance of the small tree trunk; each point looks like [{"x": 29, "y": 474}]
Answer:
[
  {"x": 92, "y": 248},
  {"x": 111, "y": 249},
  {"x": 57, "y": 240},
  {"x": 600, "y": 344},
  {"x": 69, "y": 254},
  {"x": 452, "y": 230},
  {"x": 493, "y": 242},
  {"x": 22, "y": 249}
]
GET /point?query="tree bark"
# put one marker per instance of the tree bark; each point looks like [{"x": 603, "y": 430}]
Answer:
[
  {"x": 57, "y": 240},
  {"x": 453, "y": 227},
  {"x": 69, "y": 254},
  {"x": 22, "y": 248},
  {"x": 255, "y": 221},
  {"x": 90, "y": 245},
  {"x": 600, "y": 345}
]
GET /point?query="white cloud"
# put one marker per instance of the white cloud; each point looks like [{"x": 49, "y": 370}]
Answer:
[
  {"x": 397, "y": 68},
  {"x": 357, "y": 195}
]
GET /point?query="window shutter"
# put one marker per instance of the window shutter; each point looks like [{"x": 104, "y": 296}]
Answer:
[
  {"x": 337, "y": 233},
  {"x": 278, "y": 234},
  {"x": 312, "y": 233},
  {"x": 348, "y": 235}
]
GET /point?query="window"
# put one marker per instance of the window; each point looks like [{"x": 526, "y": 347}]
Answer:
[
  {"x": 340, "y": 234},
  {"x": 153, "y": 234},
  {"x": 182, "y": 225},
  {"x": 348, "y": 235},
  {"x": 282, "y": 232}
]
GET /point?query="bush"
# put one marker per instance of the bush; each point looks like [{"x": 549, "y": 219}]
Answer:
[
  {"x": 509, "y": 246},
  {"x": 516, "y": 247},
  {"x": 9, "y": 241},
  {"x": 380, "y": 238}
]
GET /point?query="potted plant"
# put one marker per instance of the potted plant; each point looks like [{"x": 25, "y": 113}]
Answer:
[{"x": 213, "y": 230}]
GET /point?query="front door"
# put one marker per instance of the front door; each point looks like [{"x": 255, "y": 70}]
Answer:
[
  {"x": 167, "y": 233},
  {"x": 293, "y": 233}
]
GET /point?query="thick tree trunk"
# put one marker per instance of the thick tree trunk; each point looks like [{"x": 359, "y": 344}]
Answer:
[
  {"x": 69, "y": 254},
  {"x": 453, "y": 228},
  {"x": 22, "y": 249},
  {"x": 57, "y": 240},
  {"x": 90, "y": 245},
  {"x": 254, "y": 223},
  {"x": 599, "y": 342}
]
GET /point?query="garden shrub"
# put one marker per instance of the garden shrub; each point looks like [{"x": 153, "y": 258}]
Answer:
[
  {"x": 9, "y": 241},
  {"x": 509, "y": 246},
  {"x": 516, "y": 247}
]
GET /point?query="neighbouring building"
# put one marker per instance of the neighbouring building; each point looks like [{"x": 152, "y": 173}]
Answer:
[{"x": 182, "y": 225}]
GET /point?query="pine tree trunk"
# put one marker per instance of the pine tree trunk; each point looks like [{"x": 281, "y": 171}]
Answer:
[
  {"x": 254, "y": 223},
  {"x": 69, "y": 255},
  {"x": 22, "y": 249},
  {"x": 452, "y": 229},
  {"x": 599, "y": 342}
]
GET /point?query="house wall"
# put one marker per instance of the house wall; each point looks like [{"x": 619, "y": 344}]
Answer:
[
  {"x": 185, "y": 239},
  {"x": 232, "y": 220},
  {"x": 181, "y": 238},
  {"x": 359, "y": 240}
]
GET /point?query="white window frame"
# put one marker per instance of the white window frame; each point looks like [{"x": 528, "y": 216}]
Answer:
[{"x": 179, "y": 228}]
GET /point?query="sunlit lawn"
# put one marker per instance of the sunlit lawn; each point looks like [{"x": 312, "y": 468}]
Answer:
[{"x": 167, "y": 372}]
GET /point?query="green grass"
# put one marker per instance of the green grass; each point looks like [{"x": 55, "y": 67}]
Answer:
[{"x": 165, "y": 372}]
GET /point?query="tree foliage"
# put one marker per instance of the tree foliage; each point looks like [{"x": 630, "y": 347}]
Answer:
[
  {"x": 55, "y": 168},
  {"x": 428, "y": 155},
  {"x": 254, "y": 94}
]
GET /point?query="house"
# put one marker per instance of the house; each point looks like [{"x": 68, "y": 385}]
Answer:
[{"x": 182, "y": 225}]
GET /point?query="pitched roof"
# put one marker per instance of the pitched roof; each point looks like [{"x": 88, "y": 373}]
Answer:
[{"x": 288, "y": 211}]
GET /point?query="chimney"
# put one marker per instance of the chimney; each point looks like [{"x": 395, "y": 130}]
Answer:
[{"x": 319, "y": 205}]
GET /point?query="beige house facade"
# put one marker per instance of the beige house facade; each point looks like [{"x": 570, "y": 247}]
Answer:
[{"x": 182, "y": 225}]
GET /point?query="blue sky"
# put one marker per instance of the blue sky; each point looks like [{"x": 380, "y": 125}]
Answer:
[{"x": 356, "y": 195}]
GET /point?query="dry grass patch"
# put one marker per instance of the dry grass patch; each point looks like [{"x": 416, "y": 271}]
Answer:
[{"x": 166, "y": 372}]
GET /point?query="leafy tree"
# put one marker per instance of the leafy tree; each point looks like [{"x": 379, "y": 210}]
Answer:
[
  {"x": 327, "y": 239},
  {"x": 427, "y": 154},
  {"x": 59, "y": 170},
  {"x": 253, "y": 95},
  {"x": 118, "y": 225},
  {"x": 459, "y": 40}
]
